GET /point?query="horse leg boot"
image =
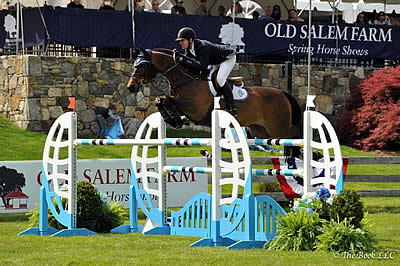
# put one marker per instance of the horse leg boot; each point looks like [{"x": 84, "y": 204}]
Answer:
[
  {"x": 229, "y": 102},
  {"x": 173, "y": 113},
  {"x": 161, "y": 108}
]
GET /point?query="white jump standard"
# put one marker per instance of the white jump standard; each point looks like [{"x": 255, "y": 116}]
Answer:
[{"x": 246, "y": 222}]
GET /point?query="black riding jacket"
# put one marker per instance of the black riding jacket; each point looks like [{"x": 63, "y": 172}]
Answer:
[{"x": 208, "y": 53}]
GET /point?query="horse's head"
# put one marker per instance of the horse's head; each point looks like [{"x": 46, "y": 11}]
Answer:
[
  {"x": 148, "y": 63},
  {"x": 144, "y": 71}
]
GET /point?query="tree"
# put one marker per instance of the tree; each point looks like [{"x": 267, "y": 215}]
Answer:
[
  {"x": 9, "y": 179},
  {"x": 374, "y": 121}
]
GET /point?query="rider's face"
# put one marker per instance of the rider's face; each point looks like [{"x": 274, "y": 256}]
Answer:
[{"x": 184, "y": 43}]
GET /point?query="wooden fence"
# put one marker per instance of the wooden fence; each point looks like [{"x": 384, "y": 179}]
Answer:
[{"x": 384, "y": 160}]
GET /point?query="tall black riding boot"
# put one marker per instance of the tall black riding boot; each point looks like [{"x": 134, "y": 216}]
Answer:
[{"x": 229, "y": 102}]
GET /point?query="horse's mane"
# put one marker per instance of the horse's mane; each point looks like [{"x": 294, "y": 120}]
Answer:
[
  {"x": 164, "y": 50},
  {"x": 170, "y": 53}
]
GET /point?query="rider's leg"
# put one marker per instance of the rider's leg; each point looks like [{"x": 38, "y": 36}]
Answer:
[
  {"x": 223, "y": 73},
  {"x": 229, "y": 102}
]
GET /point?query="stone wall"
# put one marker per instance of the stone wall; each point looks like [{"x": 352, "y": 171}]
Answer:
[
  {"x": 34, "y": 90},
  {"x": 331, "y": 85}
]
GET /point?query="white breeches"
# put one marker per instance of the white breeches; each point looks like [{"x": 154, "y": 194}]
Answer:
[{"x": 225, "y": 69}]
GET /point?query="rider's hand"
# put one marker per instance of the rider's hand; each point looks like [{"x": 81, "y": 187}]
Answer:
[
  {"x": 180, "y": 59},
  {"x": 204, "y": 74}
]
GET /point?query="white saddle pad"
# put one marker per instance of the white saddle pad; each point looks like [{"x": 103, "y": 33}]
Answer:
[{"x": 239, "y": 93}]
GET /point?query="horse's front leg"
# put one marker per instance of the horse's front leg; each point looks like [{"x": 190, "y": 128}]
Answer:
[
  {"x": 170, "y": 113},
  {"x": 132, "y": 85}
]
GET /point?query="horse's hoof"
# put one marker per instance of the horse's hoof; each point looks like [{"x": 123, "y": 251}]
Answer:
[
  {"x": 186, "y": 122},
  {"x": 233, "y": 111}
]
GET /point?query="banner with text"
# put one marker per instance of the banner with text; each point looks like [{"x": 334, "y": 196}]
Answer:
[
  {"x": 108, "y": 28},
  {"x": 20, "y": 181}
]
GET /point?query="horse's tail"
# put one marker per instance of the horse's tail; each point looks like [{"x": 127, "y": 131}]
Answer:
[
  {"x": 297, "y": 113},
  {"x": 297, "y": 121}
]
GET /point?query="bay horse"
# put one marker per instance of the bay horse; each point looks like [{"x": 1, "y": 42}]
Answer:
[{"x": 268, "y": 112}]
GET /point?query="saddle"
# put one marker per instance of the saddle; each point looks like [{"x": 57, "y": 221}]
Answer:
[
  {"x": 187, "y": 61},
  {"x": 236, "y": 83}
]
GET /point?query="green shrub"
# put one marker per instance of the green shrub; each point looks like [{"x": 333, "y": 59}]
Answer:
[
  {"x": 348, "y": 206},
  {"x": 34, "y": 214},
  {"x": 90, "y": 207},
  {"x": 113, "y": 215},
  {"x": 298, "y": 232},
  {"x": 344, "y": 237},
  {"x": 90, "y": 204}
]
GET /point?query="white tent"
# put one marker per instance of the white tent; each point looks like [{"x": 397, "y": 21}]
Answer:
[
  {"x": 62, "y": 3},
  {"x": 190, "y": 5},
  {"x": 351, "y": 8}
]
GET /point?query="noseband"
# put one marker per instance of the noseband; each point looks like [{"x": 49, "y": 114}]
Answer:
[{"x": 149, "y": 73}]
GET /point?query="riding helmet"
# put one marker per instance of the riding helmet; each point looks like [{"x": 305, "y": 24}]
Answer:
[{"x": 186, "y": 33}]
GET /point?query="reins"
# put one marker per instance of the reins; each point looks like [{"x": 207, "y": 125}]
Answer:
[{"x": 172, "y": 67}]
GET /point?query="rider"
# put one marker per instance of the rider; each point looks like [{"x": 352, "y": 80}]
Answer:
[{"x": 210, "y": 54}]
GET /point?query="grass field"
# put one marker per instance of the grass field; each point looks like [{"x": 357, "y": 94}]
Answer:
[{"x": 106, "y": 249}]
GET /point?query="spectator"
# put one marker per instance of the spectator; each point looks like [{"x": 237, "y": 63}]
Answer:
[
  {"x": 382, "y": 19},
  {"x": 139, "y": 5},
  {"x": 221, "y": 11},
  {"x": 101, "y": 115},
  {"x": 202, "y": 9},
  {"x": 255, "y": 15},
  {"x": 155, "y": 7},
  {"x": 276, "y": 12},
  {"x": 238, "y": 11},
  {"x": 75, "y": 4},
  {"x": 107, "y": 5},
  {"x": 292, "y": 15},
  {"x": 374, "y": 16},
  {"x": 361, "y": 19},
  {"x": 178, "y": 9},
  {"x": 395, "y": 19},
  {"x": 268, "y": 13}
]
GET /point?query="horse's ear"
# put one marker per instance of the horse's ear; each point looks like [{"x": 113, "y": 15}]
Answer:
[
  {"x": 143, "y": 51},
  {"x": 136, "y": 52}
]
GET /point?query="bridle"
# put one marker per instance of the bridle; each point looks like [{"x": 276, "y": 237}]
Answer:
[{"x": 146, "y": 72}]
